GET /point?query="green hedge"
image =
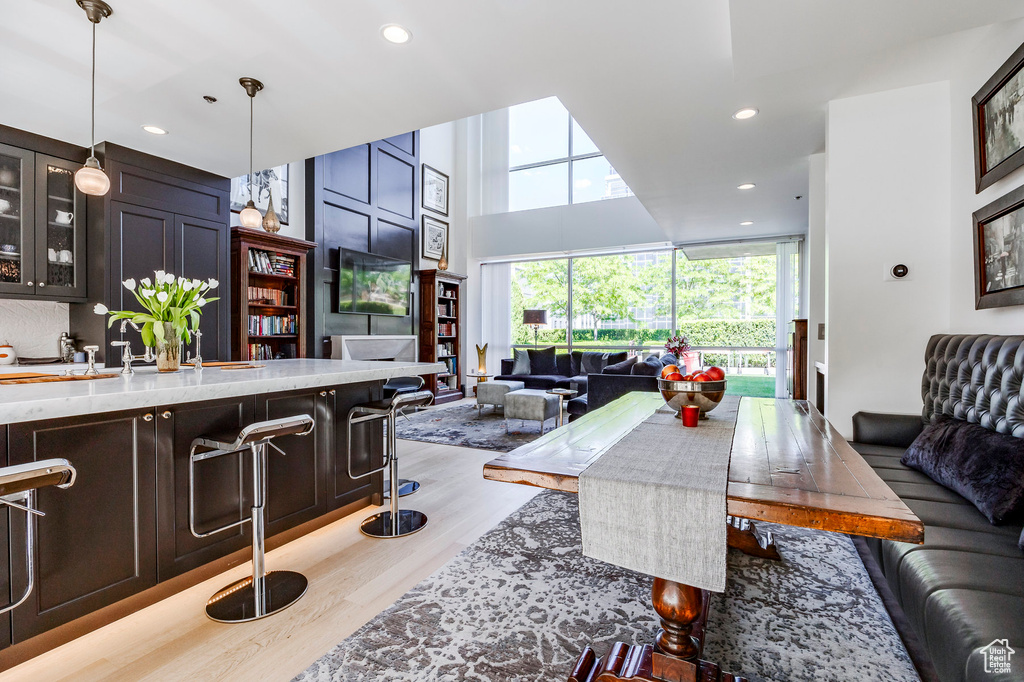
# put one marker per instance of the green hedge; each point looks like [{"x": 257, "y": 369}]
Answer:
[{"x": 751, "y": 333}]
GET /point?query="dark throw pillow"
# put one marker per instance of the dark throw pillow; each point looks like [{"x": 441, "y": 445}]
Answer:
[
  {"x": 651, "y": 367},
  {"x": 669, "y": 359},
  {"x": 542, "y": 361},
  {"x": 576, "y": 361},
  {"x": 985, "y": 467},
  {"x": 615, "y": 358},
  {"x": 620, "y": 367},
  {"x": 593, "y": 363},
  {"x": 520, "y": 362}
]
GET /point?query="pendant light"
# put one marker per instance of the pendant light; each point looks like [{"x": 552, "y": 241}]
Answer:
[
  {"x": 90, "y": 178},
  {"x": 250, "y": 215}
]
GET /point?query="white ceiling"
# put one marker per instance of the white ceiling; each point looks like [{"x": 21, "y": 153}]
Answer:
[{"x": 653, "y": 83}]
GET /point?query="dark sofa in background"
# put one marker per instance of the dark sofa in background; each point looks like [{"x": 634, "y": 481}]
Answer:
[{"x": 964, "y": 587}]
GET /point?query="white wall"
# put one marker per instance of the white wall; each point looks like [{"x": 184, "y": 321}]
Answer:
[
  {"x": 888, "y": 166},
  {"x": 816, "y": 285},
  {"x": 33, "y": 327}
]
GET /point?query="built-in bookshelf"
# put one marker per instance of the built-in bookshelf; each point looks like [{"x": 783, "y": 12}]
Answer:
[
  {"x": 267, "y": 284},
  {"x": 441, "y": 331}
]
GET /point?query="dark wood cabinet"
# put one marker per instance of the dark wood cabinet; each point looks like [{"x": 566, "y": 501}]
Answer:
[
  {"x": 158, "y": 215},
  {"x": 223, "y": 486},
  {"x": 6, "y": 514},
  {"x": 95, "y": 545},
  {"x": 367, "y": 450},
  {"x": 796, "y": 360},
  {"x": 441, "y": 331}
]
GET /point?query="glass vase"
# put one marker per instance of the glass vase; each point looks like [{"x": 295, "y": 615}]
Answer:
[{"x": 168, "y": 351}]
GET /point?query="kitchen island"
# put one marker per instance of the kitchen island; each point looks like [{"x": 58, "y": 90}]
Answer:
[{"x": 119, "y": 539}]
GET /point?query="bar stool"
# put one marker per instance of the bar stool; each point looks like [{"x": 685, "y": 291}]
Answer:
[
  {"x": 18, "y": 485},
  {"x": 402, "y": 385},
  {"x": 394, "y": 523},
  {"x": 265, "y": 592}
]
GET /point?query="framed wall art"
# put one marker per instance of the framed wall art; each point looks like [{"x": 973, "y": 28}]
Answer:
[
  {"x": 264, "y": 183},
  {"x": 999, "y": 123},
  {"x": 435, "y": 237},
  {"x": 434, "y": 190},
  {"x": 999, "y": 252}
]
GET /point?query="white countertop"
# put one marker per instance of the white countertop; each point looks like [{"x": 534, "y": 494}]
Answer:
[{"x": 149, "y": 388}]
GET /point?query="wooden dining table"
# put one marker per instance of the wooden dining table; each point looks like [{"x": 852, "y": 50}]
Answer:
[{"x": 788, "y": 465}]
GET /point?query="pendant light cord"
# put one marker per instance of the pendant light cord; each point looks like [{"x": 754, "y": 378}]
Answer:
[
  {"x": 250, "y": 146},
  {"x": 92, "y": 127}
]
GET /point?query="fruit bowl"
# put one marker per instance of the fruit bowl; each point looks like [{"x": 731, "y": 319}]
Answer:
[{"x": 704, "y": 394}]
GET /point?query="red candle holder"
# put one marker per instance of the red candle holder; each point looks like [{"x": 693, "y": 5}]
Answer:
[{"x": 690, "y": 415}]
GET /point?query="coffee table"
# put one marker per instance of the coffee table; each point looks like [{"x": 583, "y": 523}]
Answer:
[
  {"x": 563, "y": 395},
  {"x": 788, "y": 466}
]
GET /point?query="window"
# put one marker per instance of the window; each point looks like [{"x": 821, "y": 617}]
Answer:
[
  {"x": 553, "y": 162},
  {"x": 543, "y": 285}
]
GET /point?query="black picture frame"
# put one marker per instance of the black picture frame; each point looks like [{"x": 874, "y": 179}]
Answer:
[
  {"x": 999, "y": 252},
  {"x": 434, "y": 190},
  {"x": 1009, "y": 75},
  {"x": 433, "y": 237}
]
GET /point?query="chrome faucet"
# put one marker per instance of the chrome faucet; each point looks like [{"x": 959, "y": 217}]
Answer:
[
  {"x": 126, "y": 354},
  {"x": 91, "y": 350},
  {"x": 197, "y": 361}
]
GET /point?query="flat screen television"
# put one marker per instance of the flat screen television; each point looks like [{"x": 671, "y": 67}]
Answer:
[{"x": 373, "y": 285}]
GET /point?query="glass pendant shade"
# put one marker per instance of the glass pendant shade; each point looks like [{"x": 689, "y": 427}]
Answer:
[
  {"x": 250, "y": 216},
  {"x": 271, "y": 223},
  {"x": 90, "y": 178}
]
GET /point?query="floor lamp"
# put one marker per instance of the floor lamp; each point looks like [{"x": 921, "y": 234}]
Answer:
[{"x": 535, "y": 318}]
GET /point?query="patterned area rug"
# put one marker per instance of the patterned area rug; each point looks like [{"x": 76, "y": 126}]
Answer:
[
  {"x": 460, "y": 425},
  {"x": 521, "y": 602}
]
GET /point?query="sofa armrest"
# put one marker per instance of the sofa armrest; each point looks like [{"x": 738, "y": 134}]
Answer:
[
  {"x": 893, "y": 430},
  {"x": 506, "y": 366}
]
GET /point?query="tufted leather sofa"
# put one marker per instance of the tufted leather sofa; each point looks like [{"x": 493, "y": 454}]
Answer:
[{"x": 964, "y": 588}]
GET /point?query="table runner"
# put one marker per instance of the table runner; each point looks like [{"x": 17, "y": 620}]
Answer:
[{"x": 655, "y": 502}]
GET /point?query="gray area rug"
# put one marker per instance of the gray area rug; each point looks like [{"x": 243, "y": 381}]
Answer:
[
  {"x": 521, "y": 602},
  {"x": 459, "y": 425}
]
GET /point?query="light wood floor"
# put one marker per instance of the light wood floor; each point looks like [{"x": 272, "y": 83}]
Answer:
[{"x": 352, "y": 578}]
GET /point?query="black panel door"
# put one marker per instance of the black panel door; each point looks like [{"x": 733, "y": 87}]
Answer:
[
  {"x": 5, "y": 555},
  {"x": 96, "y": 544},
  {"x": 201, "y": 251},
  {"x": 367, "y": 452},
  {"x": 60, "y": 236},
  {"x": 294, "y": 488},
  {"x": 17, "y": 221},
  {"x": 142, "y": 241},
  {"x": 223, "y": 485}
]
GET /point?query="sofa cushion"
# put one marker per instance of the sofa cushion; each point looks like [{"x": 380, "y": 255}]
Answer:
[
  {"x": 542, "y": 361},
  {"x": 563, "y": 365},
  {"x": 651, "y": 367},
  {"x": 575, "y": 383},
  {"x": 576, "y": 362},
  {"x": 577, "y": 406},
  {"x": 1020, "y": 542},
  {"x": 543, "y": 381},
  {"x": 623, "y": 367},
  {"x": 593, "y": 363},
  {"x": 614, "y": 358},
  {"x": 520, "y": 362},
  {"x": 985, "y": 467},
  {"x": 959, "y": 623},
  {"x": 669, "y": 359}
]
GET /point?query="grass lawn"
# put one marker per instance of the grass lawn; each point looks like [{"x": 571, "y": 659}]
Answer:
[{"x": 755, "y": 386}]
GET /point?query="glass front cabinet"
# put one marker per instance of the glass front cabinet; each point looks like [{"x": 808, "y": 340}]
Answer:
[{"x": 42, "y": 227}]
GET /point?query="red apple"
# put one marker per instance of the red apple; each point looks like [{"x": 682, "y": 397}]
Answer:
[
  {"x": 675, "y": 376},
  {"x": 715, "y": 373},
  {"x": 669, "y": 369},
  {"x": 701, "y": 376}
]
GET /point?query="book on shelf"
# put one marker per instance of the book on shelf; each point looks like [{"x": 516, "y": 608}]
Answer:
[
  {"x": 271, "y": 325},
  {"x": 446, "y": 348},
  {"x": 264, "y": 351},
  {"x": 446, "y": 309},
  {"x": 267, "y": 296},
  {"x": 446, "y": 329},
  {"x": 271, "y": 263}
]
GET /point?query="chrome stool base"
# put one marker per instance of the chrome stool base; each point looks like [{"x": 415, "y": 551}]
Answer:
[
  {"x": 405, "y": 487},
  {"x": 237, "y": 603},
  {"x": 379, "y": 525}
]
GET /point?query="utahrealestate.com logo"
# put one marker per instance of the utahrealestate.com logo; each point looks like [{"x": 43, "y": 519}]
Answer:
[{"x": 997, "y": 657}]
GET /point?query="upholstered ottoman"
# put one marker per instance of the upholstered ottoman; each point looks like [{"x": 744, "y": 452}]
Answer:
[
  {"x": 531, "y": 404},
  {"x": 493, "y": 392}
]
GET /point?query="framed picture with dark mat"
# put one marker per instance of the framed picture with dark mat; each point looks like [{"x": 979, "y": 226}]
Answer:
[
  {"x": 999, "y": 252},
  {"x": 999, "y": 123}
]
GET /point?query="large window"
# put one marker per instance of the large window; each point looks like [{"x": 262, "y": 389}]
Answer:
[
  {"x": 552, "y": 161},
  {"x": 541, "y": 285}
]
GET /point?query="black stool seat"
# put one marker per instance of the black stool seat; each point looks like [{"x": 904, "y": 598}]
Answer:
[{"x": 402, "y": 385}]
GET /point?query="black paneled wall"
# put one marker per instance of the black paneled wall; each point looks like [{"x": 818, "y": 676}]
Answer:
[{"x": 365, "y": 198}]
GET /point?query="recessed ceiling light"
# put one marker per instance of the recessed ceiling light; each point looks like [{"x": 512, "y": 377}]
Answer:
[
  {"x": 745, "y": 223},
  {"x": 746, "y": 185},
  {"x": 745, "y": 113},
  {"x": 156, "y": 130},
  {"x": 393, "y": 33}
]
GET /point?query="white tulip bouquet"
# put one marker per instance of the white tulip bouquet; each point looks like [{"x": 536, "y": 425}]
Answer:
[{"x": 173, "y": 304}]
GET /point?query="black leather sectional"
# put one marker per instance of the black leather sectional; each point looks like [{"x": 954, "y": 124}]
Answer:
[{"x": 963, "y": 589}]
